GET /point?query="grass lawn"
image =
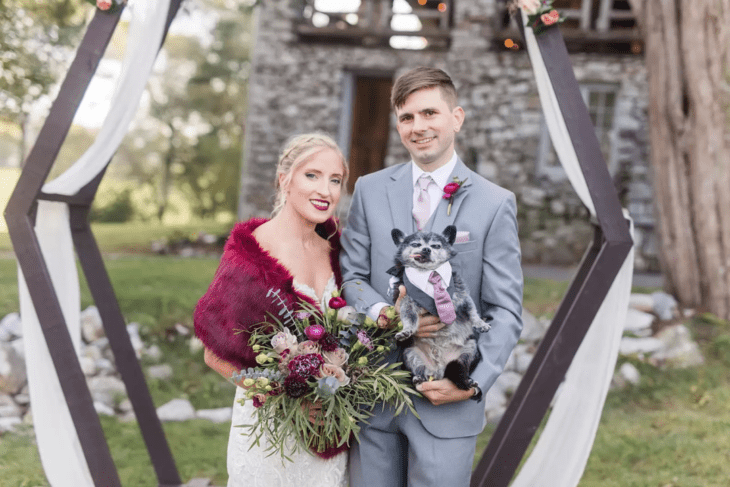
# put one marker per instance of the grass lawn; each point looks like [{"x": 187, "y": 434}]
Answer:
[{"x": 671, "y": 430}]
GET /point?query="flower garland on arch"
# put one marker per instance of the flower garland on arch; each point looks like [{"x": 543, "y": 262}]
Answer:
[
  {"x": 109, "y": 6},
  {"x": 540, "y": 14}
]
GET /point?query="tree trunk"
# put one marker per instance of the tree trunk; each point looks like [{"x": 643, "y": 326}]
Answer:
[{"x": 688, "y": 63}]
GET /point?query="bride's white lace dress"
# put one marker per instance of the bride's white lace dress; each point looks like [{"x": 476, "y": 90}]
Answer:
[{"x": 253, "y": 468}]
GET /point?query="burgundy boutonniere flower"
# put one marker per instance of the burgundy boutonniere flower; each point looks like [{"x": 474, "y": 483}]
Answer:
[
  {"x": 337, "y": 303},
  {"x": 450, "y": 190}
]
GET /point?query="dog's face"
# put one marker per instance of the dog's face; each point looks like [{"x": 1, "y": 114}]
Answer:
[{"x": 424, "y": 250}]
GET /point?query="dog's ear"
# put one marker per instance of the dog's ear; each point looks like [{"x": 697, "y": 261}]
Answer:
[
  {"x": 450, "y": 234},
  {"x": 398, "y": 236}
]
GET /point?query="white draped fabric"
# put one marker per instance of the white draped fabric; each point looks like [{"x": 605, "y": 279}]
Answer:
[
  {"x": 58, "y": 444},
  {"x": 561, "y": 452}
]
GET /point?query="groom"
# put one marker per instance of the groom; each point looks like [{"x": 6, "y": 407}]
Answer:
[{"x": 438, "y": 449}]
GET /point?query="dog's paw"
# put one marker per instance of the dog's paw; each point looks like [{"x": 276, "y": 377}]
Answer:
[
  {"x": 403, "y": 335},
  {"x": 483, "y": 326}
]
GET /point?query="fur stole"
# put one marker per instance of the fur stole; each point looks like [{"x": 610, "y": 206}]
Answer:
[{"x": 236, "y": 299}]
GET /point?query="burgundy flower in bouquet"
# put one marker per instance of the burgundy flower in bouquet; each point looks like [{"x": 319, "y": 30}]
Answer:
[{"x": 332, "y": 357}]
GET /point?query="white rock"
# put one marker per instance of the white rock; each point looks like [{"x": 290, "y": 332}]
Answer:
[
  {"x": 630, "y": 346},
  {"x": 637, "y": 321},
  {"x": 12, "y": 369},
  {"x": 678, "y": 350},
  {"x": 137, "y": 344},
  {"x": 19, "y": 348},
  {"x": 91, "y": 325},
  {"x": 11, "y": 327},
  {"x": 182, "y": 330},
  {"x": 105, "y": 367},
  {"x": 220, "y": 415},
  {"x": 630, "y": 373},
  {"x": 88, "y": 366},
  {"x": 641, "y": 302},
  {"x": 92, "y": 351},
  {"x": 127, "y": 417},
  {"x": 523, "y": 358},
  {"x": 665, "y": 306},
  {"x": 162, "y": 372},
  {"x": 495, "y": 415},
  {"x": 507, "y": 382},
  {"x": 9, "y": 424},
  {"x": 106, "y": 389},
  {"x": 102, "y": 409},
  {"x": 8, "y": 407},
  {"x": 195, "y": 345},
  {"x": 532, "y": 329},
  {"x": 153, "y": 353},
  {"x": 125, "y": 406},
  {"x": 176, "y": 410},
  {"x": 28, "y": 418},
  {"x": 22, "y": 399}
]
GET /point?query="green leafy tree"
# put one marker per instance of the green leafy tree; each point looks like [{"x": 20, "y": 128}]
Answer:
[{"x": 34, "y": 50}]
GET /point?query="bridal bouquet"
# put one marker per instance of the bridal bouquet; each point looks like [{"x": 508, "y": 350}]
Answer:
[{"x": 319, "y": 374}]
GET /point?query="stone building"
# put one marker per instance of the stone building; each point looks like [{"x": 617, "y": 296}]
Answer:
[{"x": 328, "y": 65}]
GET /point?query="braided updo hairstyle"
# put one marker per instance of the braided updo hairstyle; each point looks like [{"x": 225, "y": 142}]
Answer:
[{"x": 297, "y": 150}]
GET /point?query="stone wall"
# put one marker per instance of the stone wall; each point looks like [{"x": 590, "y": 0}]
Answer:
[{"x": 297, "y": 87}]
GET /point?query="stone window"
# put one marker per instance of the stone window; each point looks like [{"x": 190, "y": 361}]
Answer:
[
  {"x": 601, "y": 102},
  {"x": 398, "y": 24}
]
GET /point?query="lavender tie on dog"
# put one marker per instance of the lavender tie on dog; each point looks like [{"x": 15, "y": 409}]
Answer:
[{"x": 444, "y": 305}]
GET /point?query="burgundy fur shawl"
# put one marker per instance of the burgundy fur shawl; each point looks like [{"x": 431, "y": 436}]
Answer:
[{"x": 236, "y": 299}]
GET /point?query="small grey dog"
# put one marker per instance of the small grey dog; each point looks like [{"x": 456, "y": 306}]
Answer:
[{"x": 452, "y": 351}]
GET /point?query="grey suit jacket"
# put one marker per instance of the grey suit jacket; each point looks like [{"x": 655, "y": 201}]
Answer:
[{"x": 489, "y": 264}]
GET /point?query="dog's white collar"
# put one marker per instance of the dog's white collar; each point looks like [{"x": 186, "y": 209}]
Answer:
[{"x": 419, "y": 278}]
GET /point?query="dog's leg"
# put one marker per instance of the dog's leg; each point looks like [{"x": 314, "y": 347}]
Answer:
[
  {"x": 457, "y": 371},
  {"x": 413, "y": 362},
  {"x": 409, "y": 317}
]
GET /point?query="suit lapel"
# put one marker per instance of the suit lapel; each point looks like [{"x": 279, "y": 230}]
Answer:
[
  {"x": 400, "y": 199},
  {"x": 440, "y": 219}
]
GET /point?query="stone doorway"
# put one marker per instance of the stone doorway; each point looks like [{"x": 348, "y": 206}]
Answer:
[{"x": 370, "y": 125}]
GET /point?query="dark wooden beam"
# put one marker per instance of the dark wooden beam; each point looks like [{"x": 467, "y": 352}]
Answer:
[{"x": 601, "y": 263}]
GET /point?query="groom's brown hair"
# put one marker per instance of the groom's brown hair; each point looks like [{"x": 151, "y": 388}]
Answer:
[{"x": 422, "y": 78}]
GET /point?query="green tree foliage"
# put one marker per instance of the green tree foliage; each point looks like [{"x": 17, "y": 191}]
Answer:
[{"x": 33, "y": 51}]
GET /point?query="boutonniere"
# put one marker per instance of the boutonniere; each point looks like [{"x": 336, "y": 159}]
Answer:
[
  {"x": 540, "y": 14},
  {"x": 450, "y": 190}
]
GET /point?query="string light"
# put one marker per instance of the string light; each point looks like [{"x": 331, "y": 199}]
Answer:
[
  {"x": 422, "y": 2},
  {"x": 442, "y": 7},
  {"x": 508, "y": 43}
]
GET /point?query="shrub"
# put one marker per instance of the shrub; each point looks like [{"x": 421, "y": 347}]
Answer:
[{"x": 119, "y": 210}]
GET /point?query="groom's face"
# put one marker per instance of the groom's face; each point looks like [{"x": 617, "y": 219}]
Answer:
[{"x": 427, "y": 125}]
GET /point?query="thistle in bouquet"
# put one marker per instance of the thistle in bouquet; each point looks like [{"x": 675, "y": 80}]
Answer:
[{"x": 320, "y": 373}]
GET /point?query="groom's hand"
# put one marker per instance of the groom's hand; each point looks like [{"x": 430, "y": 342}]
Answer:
[
  {"x": 443, "y": 391},
  {"x": 428, "y": 324}
]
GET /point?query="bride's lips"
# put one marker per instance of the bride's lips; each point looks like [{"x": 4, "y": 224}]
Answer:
[{"x": 321, "y": 205}]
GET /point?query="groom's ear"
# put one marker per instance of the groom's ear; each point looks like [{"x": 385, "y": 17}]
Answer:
[
  {"x": 450, "y": 234},
  {"x": 397, "y": 236}
]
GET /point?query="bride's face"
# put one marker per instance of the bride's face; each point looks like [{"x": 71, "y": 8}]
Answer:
[{"x": 314, "y": 189}]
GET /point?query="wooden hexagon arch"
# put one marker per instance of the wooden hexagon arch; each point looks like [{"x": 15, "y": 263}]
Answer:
[
  {"x": 20, "y": 217},
  {"x": 599, "y": 267},
  {"x": 596, "y": 273}
]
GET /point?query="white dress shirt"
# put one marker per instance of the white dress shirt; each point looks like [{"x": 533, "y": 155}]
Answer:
[{"x": 435, "y": 192}]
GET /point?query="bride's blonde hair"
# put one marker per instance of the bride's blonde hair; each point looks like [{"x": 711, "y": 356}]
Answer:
[{"x": 297, "y": 150}]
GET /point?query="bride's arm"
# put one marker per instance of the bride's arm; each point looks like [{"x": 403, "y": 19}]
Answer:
[{"x": 226, "y": 369}]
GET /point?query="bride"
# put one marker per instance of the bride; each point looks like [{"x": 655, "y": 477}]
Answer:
[{"x": 295, "y": 251}]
